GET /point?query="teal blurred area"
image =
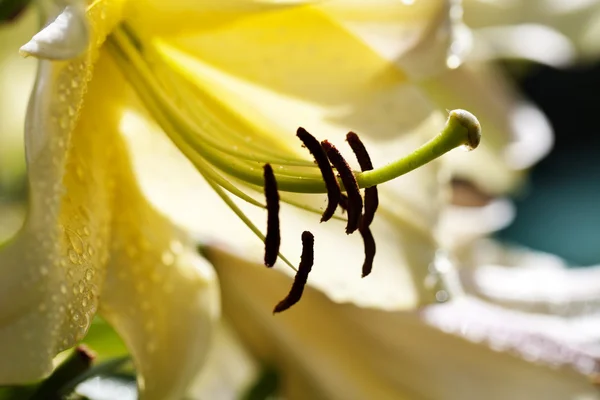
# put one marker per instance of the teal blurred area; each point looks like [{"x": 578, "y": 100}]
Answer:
[{"x": 559, "y": 209}]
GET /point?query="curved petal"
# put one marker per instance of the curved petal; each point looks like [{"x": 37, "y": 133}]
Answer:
[
  {"x": 64, "y": 38},
  {"x": 74, "y": 252},
  {"x": 52, "y": 269},
  {"x": 531, "y": 281},
  {"x": 574, "y": 19},
  {"x": 532, "y": 42},
  {"x": 158, "y": 294},
  {"x": 229, "y": 369},
  {"x": 331, "y": 351}
]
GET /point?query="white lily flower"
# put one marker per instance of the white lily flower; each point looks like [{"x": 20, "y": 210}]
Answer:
[{"x": 94, "y": 242}]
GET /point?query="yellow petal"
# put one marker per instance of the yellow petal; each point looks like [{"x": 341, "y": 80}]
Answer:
[
  {"x": 74, "y": 252},
  {"x": 330, "y": 351},
  {"x": 51, "y": 270},
  {"x": 158, "y": 294}
]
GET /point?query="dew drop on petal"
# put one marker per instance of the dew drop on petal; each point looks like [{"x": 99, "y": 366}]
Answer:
[
  {"x": 168, "y": 258},
  {"x": 89, "y": 274}
]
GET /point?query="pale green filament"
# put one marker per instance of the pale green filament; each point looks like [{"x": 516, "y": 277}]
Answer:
[{"x": 197, "y": 143}]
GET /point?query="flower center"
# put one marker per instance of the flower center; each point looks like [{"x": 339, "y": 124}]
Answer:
[{"x": 231, "y": 157}]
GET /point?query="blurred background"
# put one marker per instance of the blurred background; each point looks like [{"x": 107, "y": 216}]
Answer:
[{"x": 558, "y": 209}]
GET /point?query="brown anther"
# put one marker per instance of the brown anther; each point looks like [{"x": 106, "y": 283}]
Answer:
[
  {"x": 362, "y": 156},
  {"x": 273, "y": 236},
  {"x": 306, "y": 263},
  {"x": 331, "y": 183},
  {"x": 355, "y": 202},
  {"x": 364, "y": 160},
  {"x": 344, "y": 202},
  {"x": 369, "y": 243}
]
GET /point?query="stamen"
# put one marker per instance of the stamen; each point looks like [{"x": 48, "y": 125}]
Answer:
[
  {"x": 306, "y": 263},
  {"x": 369, "y": 242},
  {"x": 333, "y": 187},
  {"x": 364, "y": 160},
  {"x": 355, "y": 202},
  {"x": 344, "y": 202},
  {"x": 362, "y": 156},
  {"x": 273, "y": 237}
]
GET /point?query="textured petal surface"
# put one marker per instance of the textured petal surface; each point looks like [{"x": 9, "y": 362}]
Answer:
[
  {"x": 52, "y": 268},
  {"x": 91, "y": 241},
  {"x": 159, "y": 295},
  {"x": 332, "y": 351}
]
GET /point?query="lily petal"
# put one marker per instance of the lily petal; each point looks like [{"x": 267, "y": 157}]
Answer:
[
  {"x": 73, "y": 255},
  {"x": 64, "y": 38},
  {"x": 531, "y": 281},
  {"x": 331, "y": 351},
  {"x": 161, "y": 298},
  {"x": 52, "y": 268}
]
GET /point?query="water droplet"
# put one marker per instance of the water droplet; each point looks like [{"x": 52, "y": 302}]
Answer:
[
  {"x": 168, "y": 258},
  {"x": 63, "y": 122},
  {"x": 63, "y": 289},
  {"x": 44, "y": 271},
  {"x": 73, "y": 256},
  {"x": 89, "y": 274},
  {"x": 442, "y": 296},
  {"x": 453, "y": 61},
  {"x": 176, "y": 247}
]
